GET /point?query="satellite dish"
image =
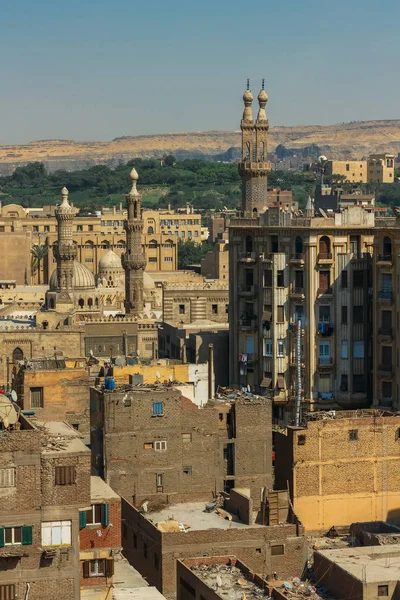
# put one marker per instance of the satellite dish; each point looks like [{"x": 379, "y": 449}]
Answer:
[
  {"x": 8, "y": 414},
  {"x": 14, "y": 395}
]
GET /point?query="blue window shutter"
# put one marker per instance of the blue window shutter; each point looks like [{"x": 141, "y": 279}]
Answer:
[
  {"x": 82, "y": 519},
  {"x": 105, "y": 515},
  {"x": 1, "y": 537},
  {"x": 26, "y": 535},
  {"x": 158, "y": 408}
]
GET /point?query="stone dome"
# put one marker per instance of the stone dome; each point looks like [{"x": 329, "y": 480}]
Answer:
[
  {"x": 110, "y": 261},
  {"x": 82, "y": 278}
]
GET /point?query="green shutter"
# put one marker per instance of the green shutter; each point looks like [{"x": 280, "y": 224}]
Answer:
[
  {"x": 82, "y": 519},
  {"x": 26, "y": 536},
  {"x": 1, "y": 537},
  {"x": 104, "y": 515}
]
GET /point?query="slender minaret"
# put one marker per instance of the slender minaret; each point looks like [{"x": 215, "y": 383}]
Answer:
[
  {"x": 253, "y": 167},
  {"x": 64, "y": 249},
  {"x": 134, "y": 260}
]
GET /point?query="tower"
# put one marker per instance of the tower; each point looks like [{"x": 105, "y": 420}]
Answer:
[
  {"x": 134, "y": 260},
  {"x": 64, "y": 249},
  {"x": 253, "y": 167}
]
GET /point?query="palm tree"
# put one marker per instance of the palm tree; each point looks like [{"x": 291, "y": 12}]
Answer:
[{"x": 39, "y": 251}]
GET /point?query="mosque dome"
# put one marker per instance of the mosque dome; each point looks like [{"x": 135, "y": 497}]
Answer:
[
  {"x": 263, "y": 96},
  {"x": 82, "y": 278},
  {"x": 248, "y": 96},
  {"x": 110, "y": 261}
]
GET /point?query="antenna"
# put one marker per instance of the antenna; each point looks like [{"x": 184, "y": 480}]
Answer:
[
  {"x": 248, "y": 84},
  {"x": 262, "y": 83}
]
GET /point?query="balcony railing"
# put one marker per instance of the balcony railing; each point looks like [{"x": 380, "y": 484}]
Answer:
[
  {"x": 385, "y": 368},
  {"x": 324, "y": 255},
  {"x": 247, "y": 290},
  {"x": 248, "y": 321},
  {"x": 325, "y": 395},
  {"x": 297, "y": 257},
  {"x": 296, "y": 291},
  {"x": 325, "y": 329},
  {"x": 385, "y": 294},
  {"x": 325, "y": 360},
  {"x": 387, "y": 258},
  {"x": 247, "y": 256},
  {"x": 386, "y": 401},
  {"x": 324, "y": 291},
  {"x": 385, "y": 330}
]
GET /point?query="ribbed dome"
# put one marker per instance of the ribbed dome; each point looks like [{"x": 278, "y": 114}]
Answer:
[
  {"x": 110, "y": 261},
  {"x": 82, "y": 278}
]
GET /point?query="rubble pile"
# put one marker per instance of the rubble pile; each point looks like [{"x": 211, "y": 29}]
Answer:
[{"x": 230, "y": 582}]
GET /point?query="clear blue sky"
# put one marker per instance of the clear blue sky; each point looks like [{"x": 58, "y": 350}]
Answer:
[{"x": 95, "y": 70}]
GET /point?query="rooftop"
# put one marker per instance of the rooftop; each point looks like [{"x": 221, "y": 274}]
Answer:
[
  {"x": 370, "y": 564},
  {"x": 60, "y": 438},
  {"x": 192, "y": 516},
  {"x": 100, "y": 491}
]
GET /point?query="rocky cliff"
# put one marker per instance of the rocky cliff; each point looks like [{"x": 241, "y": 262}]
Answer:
[{"x": 347, "y": 140}]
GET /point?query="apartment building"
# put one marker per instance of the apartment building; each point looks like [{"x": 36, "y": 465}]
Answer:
[
  {"x": 312, "y": 270},
  {"x": 378, "y": 168},
  {"x": 45, "y": 481},
  {"x": 152, "y": 444},
  {"x": 342, "y": 467}
]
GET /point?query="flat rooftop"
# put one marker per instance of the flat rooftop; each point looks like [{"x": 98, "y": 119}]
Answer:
[
  {"x": 60, "y": 438},
  {"x": 193, "y": 516},
  {"x": 370, "y": 564},
  {"x": 228, "y": 581}
]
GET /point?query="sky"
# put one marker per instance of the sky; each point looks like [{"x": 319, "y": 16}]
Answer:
[{"x": 93, "y": 70}]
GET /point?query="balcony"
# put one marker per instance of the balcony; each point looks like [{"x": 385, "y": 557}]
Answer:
[
  {"x": 385, "y": 332},
  {"x": 266, "y": 257},
  {"x": 296, "y": 292},
  {"x": 384, "y": 259},
  {"x": 385, "y": 370},
  {"x": 293, "y": 326},
  {"x": 247, "y": 257},
  {"x": 386, "y": 402},
  {"x": 248, "y": 290},
  {"x": 325, "y": 329},
  {"x": 325, "y": 363},
  {"x": 324, "y": 291},
  {"x": 385, "y": 295},
  {"x": 325, "y": 257},
  {"x": 248, "y": 322},
  {"x": 251, "y": 358},
  {"x": 296, "y": 259}
]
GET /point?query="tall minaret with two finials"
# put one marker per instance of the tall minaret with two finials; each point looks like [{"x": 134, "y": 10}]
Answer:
[
  {"x": 253, "y": 167},
  {"x": 64, "y": 249},
  {"x": 134, "y": 260}
]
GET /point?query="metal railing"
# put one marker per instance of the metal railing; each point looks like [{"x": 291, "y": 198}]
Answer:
[
  {"x": 385, "y": 294},
  {"x": 324, "y": 255}
]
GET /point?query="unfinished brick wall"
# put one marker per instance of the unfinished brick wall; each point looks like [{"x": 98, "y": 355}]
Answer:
[{"x": 76, "y": 493}]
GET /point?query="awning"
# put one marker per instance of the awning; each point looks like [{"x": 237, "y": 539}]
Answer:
[
  {"x": 281, "y": 382},
  {"x": 267, "y": 315},
  {"x": 266, "y": 382}
]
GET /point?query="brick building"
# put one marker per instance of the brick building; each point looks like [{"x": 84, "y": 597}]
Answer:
[
  {"x": 341, "y": 468},
  {"x": 150, "y": 443},
  {"x": 154, "y": 541},
  {"x": 45, "y": 480},
  {"x": 100, "y": 541}
]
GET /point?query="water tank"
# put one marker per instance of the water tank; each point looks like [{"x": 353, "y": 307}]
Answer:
[
  {"x": 97, "y": 213},
  {"x": 109, "y": 383}
]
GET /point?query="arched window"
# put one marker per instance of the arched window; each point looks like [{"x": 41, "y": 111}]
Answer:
[
  {"x": 298, "y": 245},
  {"x": 249, "y": 244},
  {"x": 324, "y": 246},
  {"x": 254, "y": 212},
  {"x": 153, "y": 244},
  {"x": 262, "y": 151},
  {"x": 88, "y": 244},
  {"x": 387, "y": 246},
  {"x": 81, "y": 302},
  {"x": 120, "y": 244},
  {"x": 150, "y": 229},
  {"x": 247, "y": 151},
  {"x": 96, "y": 301},
  {"x": 45, "y": 324},
  {"x": 90, "y": 302},
  {"x": 17, "y": 355},
  {"x": 105, "y": 245}
]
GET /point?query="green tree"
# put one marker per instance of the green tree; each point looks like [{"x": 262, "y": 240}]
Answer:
[
  {"x": 39, "y": 251},
  {"x": 190, "y": 253}
]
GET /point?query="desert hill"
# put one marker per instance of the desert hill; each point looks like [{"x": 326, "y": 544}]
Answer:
[{"x": 346, "y": 140}]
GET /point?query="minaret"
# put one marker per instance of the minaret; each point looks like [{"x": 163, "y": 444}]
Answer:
[
  {"x": 64, "y": 249},
  {"x": 134, "y": 260},
  {"x": 253, "y": 167}
]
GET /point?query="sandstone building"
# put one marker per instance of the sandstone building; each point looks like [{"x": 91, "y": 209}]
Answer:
[
  {"x": 341, "y": 467},
  {"x": 378, "y": 168}
]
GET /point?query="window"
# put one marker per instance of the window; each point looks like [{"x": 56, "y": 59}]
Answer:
[
  {"x": 186, "y": 438},
  {"x": 159, "y": 482},
  {"x": 160, "y": 445},
  {"x": 158, "y": 409},
  {"x": 358, "y": 350},
  {"x": 152, "y": 259},
  {"x": 280, "y": 281},
  {"x": 281, "y": 348},
  {"x": 37, "y": 397},
  {"x": 196, "y": 234},
  {"x": 277, "y": 550},
  {"x": 345, "y": 350},
  {"x": 90, "y": 227},
  {"x": 359, "y": 384},
  {"x": 97, "y": 567},
  {"x": 181, "y": 309},
  {"x": 325, "y": 353},
  {"x": 65, "y": 475},
  {"x": 214, "y": 309},
  {"x": 89, "y": 260},
  {"x": 387, "y": 390},
  {"x": 79, "y": 227},
  {"x": 344, "y": 315},
  {"x": 353, "y": 435},
  {"x": 343, "y": 279},
  {"x": 301, "y": 440},
  {"x": 156, "y": 562},
  {"x": 383, "y": 590},
  {"x": 148, "y": 446},
  {"x": 268, "y": 348},
  {"x": 344, "y": 385},
  {"x": 358, "y": 279},
  {"x": 168, "y": 259},
  {"x": 358, "y": 314},
  {"x": 274, "y": 243},
  {"x": 7, "y": 477},
  {"x": 187, "y": 470},
  {"x": 324, "y": 281},
  {"x": 280, "y": 315},
  {"x": 93, "y": 515},
  {"x": 47, "y": 227},
  {"x": 7, "y": 592},
  {"x": 268, "y": 278},
  {"x": 324, "y": 313},
  {"x": 325, "y": 384},
  {"x": 56, "y": 533},
  {"x": 12, "y": 536}
]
